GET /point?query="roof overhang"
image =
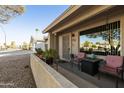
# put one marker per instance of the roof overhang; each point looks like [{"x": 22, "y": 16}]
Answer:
[
  {"x": 74, "y": 15},
  {"x": 65, "y": 14}
]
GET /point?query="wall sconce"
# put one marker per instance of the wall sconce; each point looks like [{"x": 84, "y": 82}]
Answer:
[{"x": 73, "y": 34}]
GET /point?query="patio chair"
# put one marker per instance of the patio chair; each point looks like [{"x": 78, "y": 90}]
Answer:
[
  {"x": 113, "y": 66},
  {"x": 56, "y": 62},
  {"x": 76, "y": 59}
]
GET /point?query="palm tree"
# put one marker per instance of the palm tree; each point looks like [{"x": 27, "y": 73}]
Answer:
[
  {"x": 86, "y": 44},
  {"x": 36, "y": 29}
]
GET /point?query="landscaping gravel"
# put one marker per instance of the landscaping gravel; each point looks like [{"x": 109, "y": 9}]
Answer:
[{"x": 15, "y": 72}]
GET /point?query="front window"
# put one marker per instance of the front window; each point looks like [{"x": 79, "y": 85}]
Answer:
[{"x": 102, "y": 40}]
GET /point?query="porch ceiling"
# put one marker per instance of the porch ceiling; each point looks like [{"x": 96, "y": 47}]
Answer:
[
  {"x": 81, "y": 14},
  {"x": 110, "y": 16}
]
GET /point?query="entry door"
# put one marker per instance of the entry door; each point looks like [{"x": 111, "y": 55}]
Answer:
[{"x": 66, "y": 49}]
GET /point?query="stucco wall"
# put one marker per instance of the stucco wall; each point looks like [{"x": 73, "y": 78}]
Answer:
[
  {"x": 122, "y": 34},
  {"x": 91, "y": 24},
  {"x": 75, "y": 42},
  {"x": 48, "y": 40},
  {"x": 60, "y": 47},
  {"x": 101, "y": 19},
  {"x": 47, "y": 77}
]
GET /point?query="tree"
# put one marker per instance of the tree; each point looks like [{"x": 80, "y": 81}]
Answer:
[
  {"x": 97, "y": 43},
  {"x": 86, "y": 44},
  {"x": 25, "y": 46},
  {"x": 109, "y": 36},
  {"x": 8, "y": 12},
  {"x": 13, "y": 44},
  {"x": 94, "y": 46},
  {"x": 36, "y": 29}
]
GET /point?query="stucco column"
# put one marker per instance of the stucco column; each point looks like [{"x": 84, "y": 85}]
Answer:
[
  {"x": 122, "y": 34},
  {"x": 51, "y": 41},
  {"x": 75, "y": 42},
  {"x": 55, "y": 41}
]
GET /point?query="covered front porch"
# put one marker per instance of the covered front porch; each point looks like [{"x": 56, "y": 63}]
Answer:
[
  {"x": 67, "y": 40},
  {"x": 66, "y": 32}
]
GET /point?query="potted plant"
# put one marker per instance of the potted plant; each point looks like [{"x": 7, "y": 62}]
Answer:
[
  {"x": 49, "y": 56},
  {"x": 39, "y": 52}
]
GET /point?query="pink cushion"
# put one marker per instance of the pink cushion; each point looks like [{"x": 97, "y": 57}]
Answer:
[
  {"x": 81, "y": 55},
  {"x": 109, "y": 70},
  {"x": 114, "y": 61}
]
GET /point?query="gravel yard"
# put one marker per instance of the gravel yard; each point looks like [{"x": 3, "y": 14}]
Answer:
[{"x": 15, "y": 72}]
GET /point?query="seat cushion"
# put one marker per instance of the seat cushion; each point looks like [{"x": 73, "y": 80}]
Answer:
[
  {"x": 110, "y": 70},
  {"x": 114, "y": 61},
  {"x": 81, "y": 55}
]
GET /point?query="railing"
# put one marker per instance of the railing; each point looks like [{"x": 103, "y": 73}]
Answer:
[{"x": 47, "y": 77}]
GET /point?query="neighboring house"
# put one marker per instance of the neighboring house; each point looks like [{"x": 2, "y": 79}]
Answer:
[
  {"x": 65, "y": 31},
  {"x": 38, "y": 43}
]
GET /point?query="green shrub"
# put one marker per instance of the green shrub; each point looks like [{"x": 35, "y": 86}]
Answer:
[
  {"x": 39, "y": 51},
  {"x": 51, "y": 53}
]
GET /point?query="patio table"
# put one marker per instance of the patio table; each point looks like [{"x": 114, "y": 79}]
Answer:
[{"x": 90, "y": 66}]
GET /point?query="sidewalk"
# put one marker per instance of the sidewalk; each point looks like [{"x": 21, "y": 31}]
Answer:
[
  {"x": 15, "y": 52},
  {"x": 9, "y": 50}
]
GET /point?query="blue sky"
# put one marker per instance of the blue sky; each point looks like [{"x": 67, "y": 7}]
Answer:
[{"x": 20, "y": 29}]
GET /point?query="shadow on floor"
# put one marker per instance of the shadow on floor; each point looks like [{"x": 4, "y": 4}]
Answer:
[{"x": 106, "y": 81}]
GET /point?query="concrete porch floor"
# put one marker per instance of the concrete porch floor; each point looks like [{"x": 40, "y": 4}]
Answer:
[
  {"x": 79, "y": 78},
  {"x": 15, "y": 72},
  {"x": 78, "y": 81}
]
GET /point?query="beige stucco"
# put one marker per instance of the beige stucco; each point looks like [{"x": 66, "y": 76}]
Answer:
[
  {"x": 122, "y": 35},
  {"x": 48, "y": 41},
  {"x": 60, "y": 47},
  {"x": 75, "y": 43},
  {"x": 47, "y": 77}
]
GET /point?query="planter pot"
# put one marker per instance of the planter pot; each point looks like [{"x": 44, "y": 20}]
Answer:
[
  {"x": 49, "y": 61},
  {"x": 39, "y": 55}
]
